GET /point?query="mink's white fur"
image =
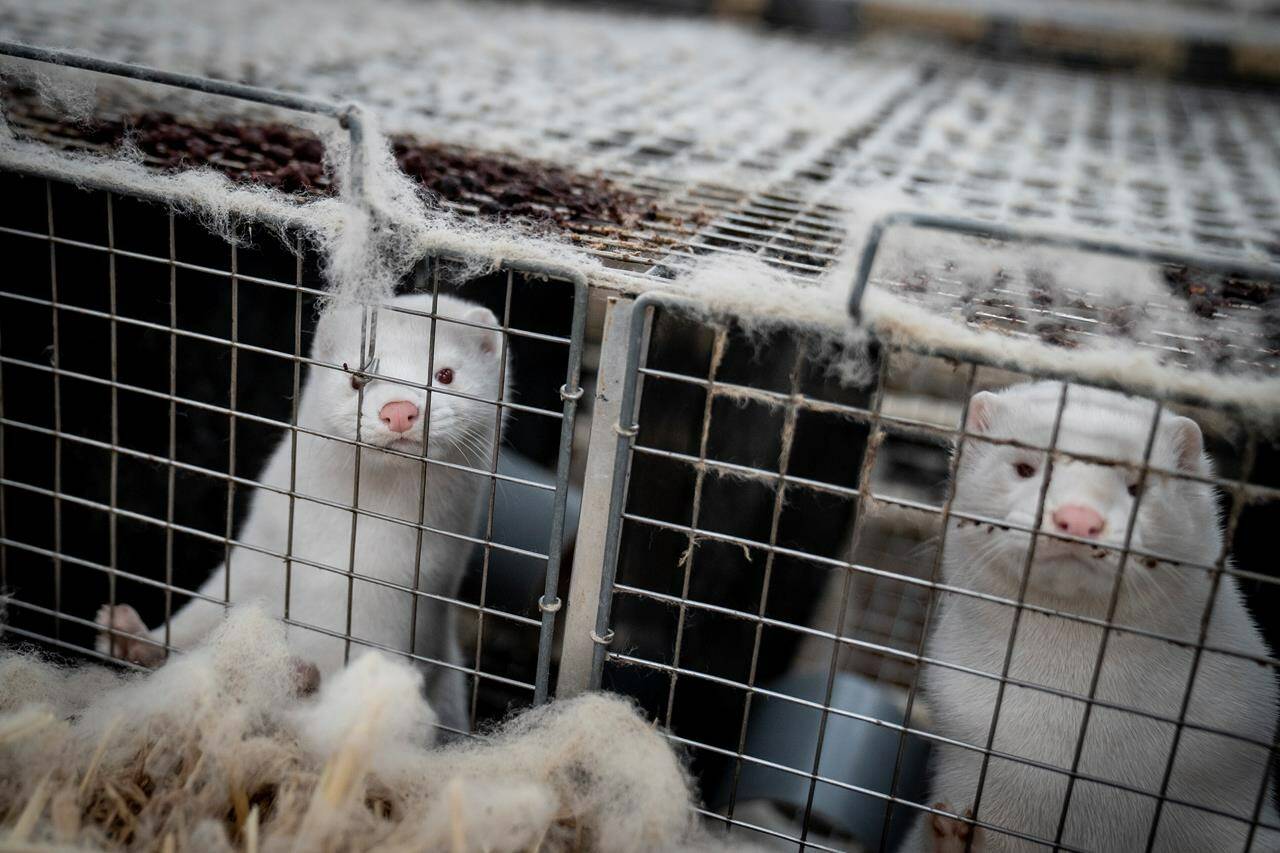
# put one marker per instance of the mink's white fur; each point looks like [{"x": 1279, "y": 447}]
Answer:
[
  {"x": 1177, "y": 519},
  {"x": 461, "y": 433}
]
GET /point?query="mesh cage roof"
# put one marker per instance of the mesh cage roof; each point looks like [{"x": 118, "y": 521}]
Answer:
[{"x": 720, "y": 141}]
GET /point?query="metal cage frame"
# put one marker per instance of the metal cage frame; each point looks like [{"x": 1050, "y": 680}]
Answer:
[
  {"x": 629, "y": 328},
  {"x": 588, "y": 630}
]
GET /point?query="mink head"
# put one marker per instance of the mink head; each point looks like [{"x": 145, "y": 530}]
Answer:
[
  {"x": 383, "y": 389},
  {"x": 1089, "y": 499}
]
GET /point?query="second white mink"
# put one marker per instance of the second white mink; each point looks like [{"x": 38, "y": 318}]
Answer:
[
  {"x": 1217, "y": 779},
  {"x": 467, "y": 361}
]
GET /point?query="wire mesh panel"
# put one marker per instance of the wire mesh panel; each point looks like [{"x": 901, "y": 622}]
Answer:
[
  {"x": 185, "y": 425},
  {"x": 890, "y": 615}
]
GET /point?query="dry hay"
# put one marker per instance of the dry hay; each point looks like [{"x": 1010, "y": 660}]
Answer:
[{"x": 217, "y": 751}]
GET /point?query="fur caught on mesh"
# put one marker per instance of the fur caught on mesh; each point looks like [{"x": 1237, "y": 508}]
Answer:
[{"x": 216, "y": 750}]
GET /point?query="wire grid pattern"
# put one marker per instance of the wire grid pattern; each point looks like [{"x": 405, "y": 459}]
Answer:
[
  {"x": 1233, "y": 22},
  {"x": 1236, "y": 334},
  {"x": 58, "y": 221},
  {"x": 622, "y": 647},
  {"x": 762, "y": 138},
  {"x": 692, "y": 219},
  {"x": 1167, "y": 164},
  {"x": 1073, "y": 122}
]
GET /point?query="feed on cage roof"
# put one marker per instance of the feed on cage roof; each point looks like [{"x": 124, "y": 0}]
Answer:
[
  {"x": 215, "y": 751},
  {"x": 1168, "y": 582},
  {"x": 363, "y": 419}
]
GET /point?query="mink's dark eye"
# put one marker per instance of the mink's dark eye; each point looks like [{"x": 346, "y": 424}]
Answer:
[
  {"x": 1025, "y": 469},
  {"x": 444, "y": 376}
]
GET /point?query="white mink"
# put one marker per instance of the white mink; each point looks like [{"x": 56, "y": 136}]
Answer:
[
  {"x": 1177, "y": 519},
  {"x": 466, "y": 361}
]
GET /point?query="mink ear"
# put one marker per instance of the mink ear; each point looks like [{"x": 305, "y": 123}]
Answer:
[
  {"x": 982, "y": 408},
  {"x": 1188, "y": 444},
  {"x": 489, "y": 338}
]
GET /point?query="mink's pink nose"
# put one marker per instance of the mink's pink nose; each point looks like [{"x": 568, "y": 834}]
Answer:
[
  {"x": 1078, "y": 520},
  {"x": 399, "y": 415}
]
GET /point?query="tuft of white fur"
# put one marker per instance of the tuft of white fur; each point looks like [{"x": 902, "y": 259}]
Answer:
[
  {"x": 376, "y": 705},
  {"x": 184, "y": 755}
]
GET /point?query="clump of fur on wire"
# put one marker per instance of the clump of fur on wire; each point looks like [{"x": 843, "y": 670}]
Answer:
[{"x": 219, "y": 750}]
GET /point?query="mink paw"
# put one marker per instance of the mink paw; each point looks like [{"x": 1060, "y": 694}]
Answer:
[
  {"x": 120, "y": 621},
  {"x": 951, "y": 835}
]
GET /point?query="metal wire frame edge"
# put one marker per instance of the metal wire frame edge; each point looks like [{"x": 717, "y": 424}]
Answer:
[{"x": 1008, "y": 233}]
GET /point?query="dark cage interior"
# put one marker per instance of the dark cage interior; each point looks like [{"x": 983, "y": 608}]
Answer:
[{"x": 89, "y": 494}]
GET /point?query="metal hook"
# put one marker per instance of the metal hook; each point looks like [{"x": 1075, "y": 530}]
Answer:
[{"x": 360, "y": 378}]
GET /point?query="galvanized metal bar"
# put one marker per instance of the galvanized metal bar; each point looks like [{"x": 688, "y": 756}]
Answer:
[
  {"x": 210, "y": 86},
  {"x": 625, "y": 428},
  {"x": 514, "y": 618},
  {"x": 586, "y": 580},
  {"x": 259, "y": 419},
  {"x": 549, "y": 604},
  {"x": 1264, "y": 791},
  {"x": 303, "y": 496},
  {"x": 804, "y": 844}
]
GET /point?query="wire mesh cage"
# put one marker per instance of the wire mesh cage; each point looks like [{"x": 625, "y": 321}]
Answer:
[
  {"x": 149, "y": 422},
  {"x": 794, "y": 569},
  {"x": 884, "y": 592}
]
